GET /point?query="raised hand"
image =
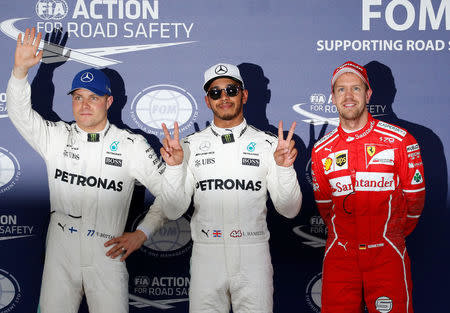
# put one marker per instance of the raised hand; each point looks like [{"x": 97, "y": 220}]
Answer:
[
  {"x": 54, "y": 45},
  {"x": 172, "y": 152},
  {"x": 26, "y": 55},
  {"x": 285, "y": 153}
]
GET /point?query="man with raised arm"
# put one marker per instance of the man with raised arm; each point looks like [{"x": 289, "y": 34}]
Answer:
[
  {"x": 92, "y": 167},
  {"x": 229, "y": 167},
  {"x": 369, "y": 188}
]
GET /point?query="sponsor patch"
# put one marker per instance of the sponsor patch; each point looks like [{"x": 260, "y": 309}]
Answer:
[
  {"x": 365, "y": 181},
  {"x": 93, "y": 137},
  {"x": 341, "y": 186},
  {"x": 371, "y": 150},
  {"x": 113, "y": 162},
  {"x": 250, "y": 162},
  {"x": 384, "y": 157},
  {"x": 384, "y": 304},
  {"x": 370, "y": 181},
  {"x": 114, "y": 146},
  {"x": 207, "y": 161},
  {"x": 204, "y": 145},
  {"x": 341, "y": 159},
  {"x": 392, "y": 128},
  {"x": 335, "y": 161},
  {"x": 414, "y": 155},
  {"x": 251, "y": 147},
  {"x": 413, "y": 165},
  {"x": 70, "y": 154},
  {"x": 412, "y": 148},
  {"x": 227, "y": 138},
  {"x": 417, "y": 178},
  {"x": 327, "y": 164}
]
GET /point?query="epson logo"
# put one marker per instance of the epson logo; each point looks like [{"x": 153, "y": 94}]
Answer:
[
  {"x": 228, "y": 184},
  {"x": 426, "y": 13},
  {"x": 250, "y": 162},
  {"x": 113, "y": 162}
]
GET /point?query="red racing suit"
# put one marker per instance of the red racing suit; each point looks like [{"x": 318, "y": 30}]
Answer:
[{"x": 370, "y": 190}]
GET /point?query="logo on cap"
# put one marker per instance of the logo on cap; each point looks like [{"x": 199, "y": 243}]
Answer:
[
  {"x": 87, "y": 77},
  {"x": 221, "y": 69}
]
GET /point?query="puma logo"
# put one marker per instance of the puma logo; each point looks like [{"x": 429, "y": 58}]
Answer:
[
  {"x": 344, "y": 246},
  {"x": 59, "y": 224}
]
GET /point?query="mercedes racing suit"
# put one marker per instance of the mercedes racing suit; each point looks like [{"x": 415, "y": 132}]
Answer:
[
  {"x": 229, "y": 172},
  {"x": 370, "y": 191},
  {"x": 91, "y": 179}
]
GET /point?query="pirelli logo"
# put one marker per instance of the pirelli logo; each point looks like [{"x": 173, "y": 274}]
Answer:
[{"x": 113, "y": 162}]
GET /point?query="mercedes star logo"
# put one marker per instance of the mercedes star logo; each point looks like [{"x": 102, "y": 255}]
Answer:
[
  {"x": 87, "y": 77},
  {"x": 204, "y": 145},
  {"x": 221, "y": 69}
]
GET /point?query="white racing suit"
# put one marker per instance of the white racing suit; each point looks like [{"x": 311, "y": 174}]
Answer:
[
  {"x": 229, "y": 172},
  {"x": 91, "y": 178}
]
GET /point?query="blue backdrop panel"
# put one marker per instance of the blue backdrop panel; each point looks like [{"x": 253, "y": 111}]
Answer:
[{"x": 155, "y": 53}]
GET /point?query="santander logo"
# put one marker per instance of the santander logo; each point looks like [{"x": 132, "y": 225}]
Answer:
[{"x": 364, "y": 181}]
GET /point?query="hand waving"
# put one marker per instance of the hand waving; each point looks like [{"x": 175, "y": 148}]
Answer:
[
  {"x": 285, "y": 153},
  {"x": 26, "y": 55},
  {"x": 172, "y": 152}
]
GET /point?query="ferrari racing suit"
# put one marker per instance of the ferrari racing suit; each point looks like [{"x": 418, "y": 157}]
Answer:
[
  {"x": 91, "y": 178},
  {"x": 370, "y": 190},
  {"x": 229, "y": 172}
]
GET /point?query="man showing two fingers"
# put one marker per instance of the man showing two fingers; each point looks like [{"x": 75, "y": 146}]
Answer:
[{"x": 229, "y": 167}]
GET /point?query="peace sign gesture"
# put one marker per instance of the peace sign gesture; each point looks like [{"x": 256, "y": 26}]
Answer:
[
  {"x": 285, "y": 153},
  {"x": 172, "y": 152},
  {"x": 26, "y": 55}
]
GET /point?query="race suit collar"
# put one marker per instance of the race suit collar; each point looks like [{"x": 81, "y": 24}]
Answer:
[
  {"x": 359, "y": 133},
  {"x": 92, "y": 137},
  {"x": 237, "y": 131}
]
